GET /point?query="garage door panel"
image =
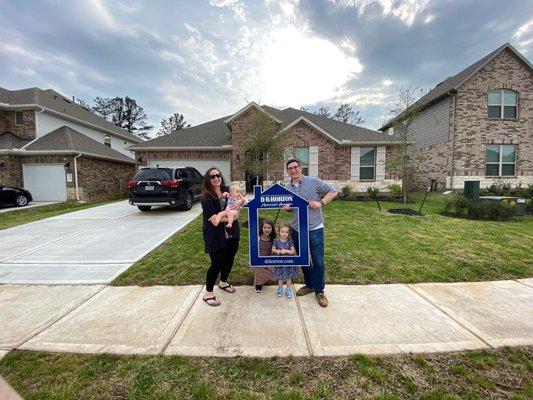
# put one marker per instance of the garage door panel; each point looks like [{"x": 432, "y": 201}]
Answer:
[
  {"x": 46, "y": 182},
  {"x": 200, "y": 165}
]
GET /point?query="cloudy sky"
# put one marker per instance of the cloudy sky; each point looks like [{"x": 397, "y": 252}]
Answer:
[{"x": 208, "y": 58}]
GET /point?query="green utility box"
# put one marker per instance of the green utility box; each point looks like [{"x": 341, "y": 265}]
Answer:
[{"x": 471, "y": 191}]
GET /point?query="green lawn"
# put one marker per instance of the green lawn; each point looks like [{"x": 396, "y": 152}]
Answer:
[
  {"x": 364, "y": 246},
  {"x": 497, "y": 374},
  {"x": 25, "y": 215}
]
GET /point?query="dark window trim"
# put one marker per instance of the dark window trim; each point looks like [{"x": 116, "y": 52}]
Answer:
[
  {"x": 368, "y": 166},
  {"x": 502, "y": 105},
  {"x": 16, "y": 119},
  {"x": 500, "y": 163}
]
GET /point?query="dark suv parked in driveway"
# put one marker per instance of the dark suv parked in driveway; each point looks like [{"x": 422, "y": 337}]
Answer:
[{"x": 171, "y": 186}]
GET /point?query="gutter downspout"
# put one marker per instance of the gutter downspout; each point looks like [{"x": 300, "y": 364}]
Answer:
[
  {"x": 452, "y": 93},
  {"x": 76, "y": 176}
]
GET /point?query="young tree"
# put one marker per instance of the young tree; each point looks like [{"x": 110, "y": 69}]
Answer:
[
  {"x": 404, "y": 113},
  {"x": 346, "y": 113},
  {"x": 324, "y": 112},
  {"x": 125, "y": 113},
  {"x": 174, "y": 123},
  {"x": 263, "y": 146}
]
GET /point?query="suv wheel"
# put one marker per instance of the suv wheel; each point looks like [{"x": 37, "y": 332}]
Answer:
[
  {"x": 144, "y": 208},
  {"x": 187, "y": 205},
  {"x": 21, "y": 200}
]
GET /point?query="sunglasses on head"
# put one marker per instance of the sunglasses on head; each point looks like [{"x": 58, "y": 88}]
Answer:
[{"x": 214, "y": 176}]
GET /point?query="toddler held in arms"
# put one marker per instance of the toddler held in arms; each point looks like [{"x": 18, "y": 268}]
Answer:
[{"x": 235, "y": 201}]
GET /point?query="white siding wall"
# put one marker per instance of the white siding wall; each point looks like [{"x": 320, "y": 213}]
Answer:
[
  {"x": 431, "y": 126},
  {"x": 47, "y": 123}
]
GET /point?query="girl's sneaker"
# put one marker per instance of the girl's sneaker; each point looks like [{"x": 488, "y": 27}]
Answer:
[
  {"x": 289, "y": 293},
  {"x": 279, "y": 291},
  {"x": 258, "y": 288}
]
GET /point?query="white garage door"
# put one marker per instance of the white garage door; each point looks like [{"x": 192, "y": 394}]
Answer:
[
  {"x": 200, "y": 165},
  {"x": 46, "y": 182}
]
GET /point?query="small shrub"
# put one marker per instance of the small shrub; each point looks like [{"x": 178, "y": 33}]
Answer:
[
  {"x": 500, "y": 188},
  {"x": 456, "y": 203},
  {"x": 502, "y": 210},
  {"x": 373, "y": 192},
  {"x": 395, "y": 189}
]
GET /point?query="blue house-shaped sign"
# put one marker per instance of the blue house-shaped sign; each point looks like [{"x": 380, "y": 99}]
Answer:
[{"x": 276, "y": 196}]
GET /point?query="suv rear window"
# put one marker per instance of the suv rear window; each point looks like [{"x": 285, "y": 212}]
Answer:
[{"x": 157, "y": 174}]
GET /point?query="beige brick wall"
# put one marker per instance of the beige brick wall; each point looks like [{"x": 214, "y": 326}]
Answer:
[
  {"x": 474, "y": 130},
  {"x": 24, "y": 131},
  {"x": 102, "y": 179},
  {"x": 11, "y": 172}
]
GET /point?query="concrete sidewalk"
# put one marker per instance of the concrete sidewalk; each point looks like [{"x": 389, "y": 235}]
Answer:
[
  {"x": 90, "y": 246},
  {"x": 373, "y": 319}
]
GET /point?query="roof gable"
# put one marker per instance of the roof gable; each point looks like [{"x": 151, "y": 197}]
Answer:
[
  {"x": 68, "y": 139},
  {"x": 248, "y": 107},
  {"x": 453, "y": 83}
]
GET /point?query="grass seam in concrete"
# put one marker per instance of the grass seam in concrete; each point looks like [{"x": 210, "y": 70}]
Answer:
[
  {"x": 55, "y": 241},
  {"x": 56, "y": 320},
  {"x": 434, "y": 304},
  {"x": 304, "y": 326},
  {"x": 522, "y": 283},
  {"x": 180, "y": 323}
]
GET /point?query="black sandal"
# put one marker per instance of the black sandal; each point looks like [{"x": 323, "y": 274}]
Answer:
[
  {"x": 227, "y": 288},
  {"x": 211, "y": 298}
]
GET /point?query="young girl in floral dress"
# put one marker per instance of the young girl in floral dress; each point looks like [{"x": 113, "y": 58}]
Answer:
[{"x": 284, "y": 246}]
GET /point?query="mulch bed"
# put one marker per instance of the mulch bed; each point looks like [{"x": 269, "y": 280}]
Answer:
[{"x": 405, "y": 211}]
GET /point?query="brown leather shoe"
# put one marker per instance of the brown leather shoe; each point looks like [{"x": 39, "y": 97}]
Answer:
[
  {"x": 322, "y": 300},
  {"x": 303, "y": 291}
]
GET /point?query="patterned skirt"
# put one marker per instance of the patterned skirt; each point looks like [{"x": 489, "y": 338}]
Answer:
[
  {"x": 285, "y": 273},
  {"x": 262, "y": 275}
]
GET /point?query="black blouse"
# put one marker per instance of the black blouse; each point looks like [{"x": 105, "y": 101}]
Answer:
[{"x": 214, "y": 236}]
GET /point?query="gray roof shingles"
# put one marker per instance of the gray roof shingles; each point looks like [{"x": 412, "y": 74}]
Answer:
[
  {"x": 55, "y": 101},
  {"x": 10, "y": 141},
  {"x": 216, "y": 133},
  {"x": 67, "y": 139}
]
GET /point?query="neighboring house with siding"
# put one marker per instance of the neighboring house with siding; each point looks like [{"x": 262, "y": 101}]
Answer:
[
  {"x": 60, "y": 150},
  {"x": 477, "y": 124},
  {"x": 335, "y": 151}
]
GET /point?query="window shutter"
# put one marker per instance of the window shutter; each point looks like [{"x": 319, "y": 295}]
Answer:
[
  {"x": 287, "y": 157},
  {"x": 380, "y": 163},
  {"x": 313, "y": 160},
  {"x": 354, "y": 165}
]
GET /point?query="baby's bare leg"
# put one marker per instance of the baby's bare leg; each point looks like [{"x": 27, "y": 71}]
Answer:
[
  {"x": 232, "y": 216},
  {"x": 218, "y": 217}
]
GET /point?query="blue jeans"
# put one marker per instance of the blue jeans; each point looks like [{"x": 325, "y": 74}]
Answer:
[{"x": 314, "y": 274}]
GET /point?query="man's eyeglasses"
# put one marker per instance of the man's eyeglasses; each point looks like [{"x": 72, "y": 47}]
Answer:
[
  {"x": 296, "y": 166},
  {"x": 214, "y": 176}
]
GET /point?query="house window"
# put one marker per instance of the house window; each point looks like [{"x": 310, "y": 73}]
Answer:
[
  {"x": 19, "y": 118},
  {"x": 367, "y": 163},
  {"x": 502, "y": 104},
  {"x": 302, "y": 154},
  {"x": 501, "y": 160},
  {"x": 107, "y": 140}
]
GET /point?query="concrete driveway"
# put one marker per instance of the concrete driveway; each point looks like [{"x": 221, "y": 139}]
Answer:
[{"x": 91, "y": 246}]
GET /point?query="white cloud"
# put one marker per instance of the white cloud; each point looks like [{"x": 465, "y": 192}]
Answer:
[
  {"x": 234, "y": 5},
  {"x": 524, "y": 36},
  {"x": 386, "y": 82},
  {"x": 298, "y": 69}
]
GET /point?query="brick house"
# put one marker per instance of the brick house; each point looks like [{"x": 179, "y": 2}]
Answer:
[
  {"x": 59, "y": 150},
  {"x": 477, "y": 124},
  {"x": 332, "y": 150}
]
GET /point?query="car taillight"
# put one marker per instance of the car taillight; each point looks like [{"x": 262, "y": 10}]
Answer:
[
  {"x": 132, "y": 184},
  {"x": 172, "y": 184}
]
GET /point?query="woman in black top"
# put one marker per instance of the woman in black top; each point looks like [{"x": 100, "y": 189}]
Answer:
[{"x": 220, "y": 243}]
